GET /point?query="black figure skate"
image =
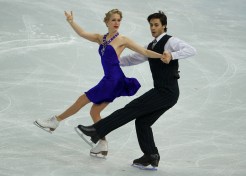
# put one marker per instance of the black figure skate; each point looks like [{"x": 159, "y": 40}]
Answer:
[{"x": 147, "y": 160}]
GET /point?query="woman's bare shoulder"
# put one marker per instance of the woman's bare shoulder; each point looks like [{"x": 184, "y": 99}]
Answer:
[{"x": 124, "y": 39}]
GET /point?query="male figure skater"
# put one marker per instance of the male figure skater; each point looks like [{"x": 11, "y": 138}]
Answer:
[{"x": 151, "y": 105}]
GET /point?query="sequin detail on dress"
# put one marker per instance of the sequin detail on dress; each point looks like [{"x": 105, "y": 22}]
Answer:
[{"x": 105, "y": 42}]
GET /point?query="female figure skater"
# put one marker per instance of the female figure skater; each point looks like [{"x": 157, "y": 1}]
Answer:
[{"x": 114, "y": 83}]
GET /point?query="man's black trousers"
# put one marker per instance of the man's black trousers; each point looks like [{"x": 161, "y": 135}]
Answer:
[{"x": 146, "y": 110}]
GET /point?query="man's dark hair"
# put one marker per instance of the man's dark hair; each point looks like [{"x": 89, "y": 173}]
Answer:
[{"x": 160, "y": 15}]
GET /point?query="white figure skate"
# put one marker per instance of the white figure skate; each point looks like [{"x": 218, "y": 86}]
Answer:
[
  {"x": 100, "y": 150},
  {"x": 48, "y": 125}
]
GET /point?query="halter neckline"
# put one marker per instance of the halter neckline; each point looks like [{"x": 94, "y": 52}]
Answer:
[{"x": 105, "y": 42}]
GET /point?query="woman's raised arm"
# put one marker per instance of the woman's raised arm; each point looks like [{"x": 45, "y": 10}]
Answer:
[
  {"x": 139, "y": 49},
  {"x": 81, "y": 32}
]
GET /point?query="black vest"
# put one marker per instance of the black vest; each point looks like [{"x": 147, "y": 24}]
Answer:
[{"x": 164, "y": 75}]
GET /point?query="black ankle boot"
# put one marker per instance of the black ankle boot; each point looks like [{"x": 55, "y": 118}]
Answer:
[
  {"x": 89, "y": 131},
  {"x": 146, "y": 160}
]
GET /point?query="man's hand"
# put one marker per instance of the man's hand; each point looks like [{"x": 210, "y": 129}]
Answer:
[{"x": 166, "y": 57}]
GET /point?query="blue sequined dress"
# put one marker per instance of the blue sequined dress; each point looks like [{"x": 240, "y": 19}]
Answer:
[{"x": 114, "y": 83}]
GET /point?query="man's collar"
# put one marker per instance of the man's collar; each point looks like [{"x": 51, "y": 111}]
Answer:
[{"x": 160, "y": 36}]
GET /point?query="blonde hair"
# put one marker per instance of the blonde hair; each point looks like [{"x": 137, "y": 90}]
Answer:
[{"x": 111, "y": 12}]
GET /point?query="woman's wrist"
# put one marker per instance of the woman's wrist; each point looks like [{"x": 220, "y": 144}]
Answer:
[{"x": 70, "y": 21}]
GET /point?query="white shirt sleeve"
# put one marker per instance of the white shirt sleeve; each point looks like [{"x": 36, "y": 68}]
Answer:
[
  {"x": 179, "y": 49},
  {"x": 132, "y": 59}
]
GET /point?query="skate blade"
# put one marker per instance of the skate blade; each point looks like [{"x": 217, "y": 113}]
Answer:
[
  {"x": 45, "y": 129},
  {"x": 98, "y": 155},
  {"x": 82, "y": 136},
  {"x": 151, "y": 168}
]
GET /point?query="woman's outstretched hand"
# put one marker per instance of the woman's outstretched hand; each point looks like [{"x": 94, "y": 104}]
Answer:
[{"x": 69, "y": 16}]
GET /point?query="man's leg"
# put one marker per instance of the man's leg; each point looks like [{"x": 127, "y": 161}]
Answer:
[
  {"x": 144, "y": 131},
  {"x": 145, "y": 104},
  {"x": 148, "y": 103},
  {"x": 132, "y": 110},
  {"x": 136, "y": 108}
]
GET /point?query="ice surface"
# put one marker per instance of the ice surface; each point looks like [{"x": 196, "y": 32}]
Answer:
[{"x": 45, "y": 66}]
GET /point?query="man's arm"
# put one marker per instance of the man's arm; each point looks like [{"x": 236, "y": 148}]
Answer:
[{"x": 179, "y": 49}]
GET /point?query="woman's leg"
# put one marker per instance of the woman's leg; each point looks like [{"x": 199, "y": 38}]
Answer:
[
  {"x": 102, "y": 146},
  {"x": 96, "y": 109},
  {"x": 95, "y": 112},
  {"x": 81, "y": 102},
  {"x": 52, "y": 123}
]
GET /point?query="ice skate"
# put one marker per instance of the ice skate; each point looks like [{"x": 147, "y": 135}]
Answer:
[
  {"x": 48, "y": 125},
  {"x": 89, "y": 131},
  {"x": 100, "y": 150},
  {"x": 82, "y": 136},
  {"x": 147, "y": 162}
]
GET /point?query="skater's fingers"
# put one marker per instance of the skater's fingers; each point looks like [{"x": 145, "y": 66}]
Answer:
[{"x": 66, "y": 14}]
